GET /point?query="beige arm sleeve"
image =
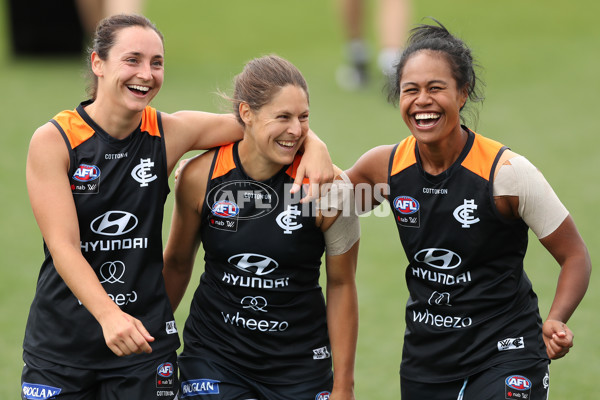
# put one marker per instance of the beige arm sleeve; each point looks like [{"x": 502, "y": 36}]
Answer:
[
  {"x": 345, "y": 230},
  {"x": 539, "y": 206}
]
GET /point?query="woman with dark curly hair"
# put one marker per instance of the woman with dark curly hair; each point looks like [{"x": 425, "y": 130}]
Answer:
[{"x": 463, "y": 205}]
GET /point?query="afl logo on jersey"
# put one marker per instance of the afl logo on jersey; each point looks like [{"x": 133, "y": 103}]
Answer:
[
  {"x": 323, "y": 396},
  {"x": 406, "y": 205},
  {"x": 255, "y": 198},
  {"x": 86, "y": 173},
  {"x": 165, "y": 370},
  {"x": 225, "y": 209}
]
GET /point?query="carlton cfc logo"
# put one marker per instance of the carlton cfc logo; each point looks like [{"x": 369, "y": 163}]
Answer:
[
  {"x": 406, "y": 205},
  {"x": 86, "y": 173}
]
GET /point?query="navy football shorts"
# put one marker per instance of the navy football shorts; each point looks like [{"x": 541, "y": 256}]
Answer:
[
  {"x": 202, "y": 379},
  {"x": 513, "y": 380},
  {"x": 149, "y": 380}
]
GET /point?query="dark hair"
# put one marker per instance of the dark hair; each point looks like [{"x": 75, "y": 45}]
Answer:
[
  {"x": 261, "y": 79},
  {"x": 454, "y": 50},
  {"x": 104, "y": 40}
]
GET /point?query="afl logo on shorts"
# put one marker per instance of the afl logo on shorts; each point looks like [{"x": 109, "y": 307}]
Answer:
[
  {"x": 323, "y": 396},
  {"x": 165, "y": 376},
  {"x": 225, "y": 209},
  {"x": 86, "y": 173},
  {"x": 165, "y": 370},
  {"x": 518, "y": 382},
  {"x": 406, "y": 205}
]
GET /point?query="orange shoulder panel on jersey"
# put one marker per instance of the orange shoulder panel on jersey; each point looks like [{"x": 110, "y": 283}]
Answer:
[
  {"x": 404, "y": 156},
  {"x": 75, "y": 128},
  {"x": 482, "y": 155},
  {"x": 150, "y": 121},
  {"x": 293, "y": 169},
  {"x": 224, "y": 162}
]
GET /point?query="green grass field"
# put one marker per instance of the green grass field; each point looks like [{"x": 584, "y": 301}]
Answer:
[{"x": 541, "y": 63}]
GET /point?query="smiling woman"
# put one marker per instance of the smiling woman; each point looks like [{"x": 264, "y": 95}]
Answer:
[
  {"x": 137, "y": 43},
  {"x": 463, "y": 205},
  {"x": 131, "y": 74},
  {"x": 430, "y": 104},
  {"x": 97, "y": 179},
  {"x": 260, "y": 292}
]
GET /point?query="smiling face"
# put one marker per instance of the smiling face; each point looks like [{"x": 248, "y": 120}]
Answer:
[
  {"x": 274, "y": 133},
  {"x": 133, "y": 72},
  {"x": 430, "y": 101}
]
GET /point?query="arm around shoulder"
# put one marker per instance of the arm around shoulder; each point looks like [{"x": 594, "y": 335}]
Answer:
[
  {"x": 197, "y": 130},
  {"x": 315, "y": 165},
  {"x": 369, "y": 175}
]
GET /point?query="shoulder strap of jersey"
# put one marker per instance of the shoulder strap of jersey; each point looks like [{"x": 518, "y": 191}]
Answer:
[
  {"x": 223, "y": 161},
  {"x": 483, "y": 156},
  {"x": 74, "y": 129},
  {"x": 403, "y": 156},
  {"x": 152, "y": 125},
  {"x": 150, "y": 122}
]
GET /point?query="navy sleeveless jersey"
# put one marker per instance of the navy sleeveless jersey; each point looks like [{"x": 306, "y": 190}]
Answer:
[
  {"x": 119, "y": 188},
  {"x": 470, "y": 304},
  {"x": 259, "y": 308}
]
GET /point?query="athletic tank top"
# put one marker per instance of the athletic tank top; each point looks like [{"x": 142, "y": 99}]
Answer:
[
  {"x": 470, "y": 303},
  {"x": 259, "y": 308},
  {"x": 119, "y": 188}
]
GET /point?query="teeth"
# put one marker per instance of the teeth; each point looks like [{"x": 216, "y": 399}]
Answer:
[
  {"x": 140, "y": 88},
  {"x": 427, "y": 116},
  {"x": 286, "y": 143}
]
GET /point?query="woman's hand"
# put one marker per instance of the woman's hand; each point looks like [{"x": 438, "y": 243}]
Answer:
[
  {"x": 316, "y": 166},
  {"x": 125, "y": 335},
  {"x": 558, "y": 338}
]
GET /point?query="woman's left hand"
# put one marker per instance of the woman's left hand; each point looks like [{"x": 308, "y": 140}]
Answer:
[{"x": 558, "y": 338}]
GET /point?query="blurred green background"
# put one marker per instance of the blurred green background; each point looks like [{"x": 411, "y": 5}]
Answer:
[{"x": 541, "y": 64}]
